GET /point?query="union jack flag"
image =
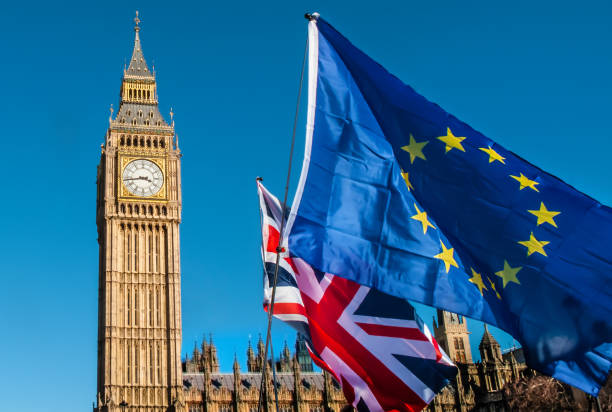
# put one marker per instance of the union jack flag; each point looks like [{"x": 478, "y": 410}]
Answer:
[{"x": 374, "y": 344}]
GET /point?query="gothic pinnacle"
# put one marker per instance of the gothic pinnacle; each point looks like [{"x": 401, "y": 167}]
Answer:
[{"x": 236, "y": 364}]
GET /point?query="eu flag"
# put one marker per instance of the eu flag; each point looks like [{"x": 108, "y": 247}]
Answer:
[{"x": 399, "y": 195}]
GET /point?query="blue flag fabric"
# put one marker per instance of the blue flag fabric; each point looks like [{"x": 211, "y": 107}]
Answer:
[{"x": 399, "y": 195}]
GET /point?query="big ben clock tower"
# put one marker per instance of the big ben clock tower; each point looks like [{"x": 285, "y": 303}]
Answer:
[{"x": 138, "y": 217}]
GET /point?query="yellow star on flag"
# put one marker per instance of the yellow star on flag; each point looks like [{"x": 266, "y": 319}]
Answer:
[
  {"x": 493, "y": 288},
  {"x": 534, "y": 245},
  {"x": 544, "y": 215},
  {"x": 407, "y": 180},
  {"x": 525, "y": 182},
  {"x": 477, "y": 280},
  {"x": 447, "y": 257},
  {"x": 415, "y": 149},
  {"x": 493, "y": 155},
  {"x": 452, "y": 141},
  {"x": 422, "y": 217},
  {"x": 508, "y": 274}
]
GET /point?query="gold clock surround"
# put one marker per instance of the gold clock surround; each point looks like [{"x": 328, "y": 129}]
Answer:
[{"x": 126, "y": 195}]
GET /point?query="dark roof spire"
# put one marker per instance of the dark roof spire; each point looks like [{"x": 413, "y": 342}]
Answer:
[
  {"x": 487, "y": 338},
  {"x": 138, "y": 66},
  {"x": 236, "y": 364}
]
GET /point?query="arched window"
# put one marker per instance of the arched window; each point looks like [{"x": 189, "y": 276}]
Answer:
[
  {"x": 123, "y": 209},
  {"x": 164, "y": 211},
  {"x": 136, "y": 355},
  {"x": 135, "y": 254},
  {"x": 139, "y": 113},
  {"x": 129, "y": 363},
  {"x": 151, "y": 363},
  {"x": 161, "y": 143},
  {"x": 157, "y": 240},
  {"x": 142, "y": 142},
  {"x": 147, "y": 122},
  {"x": 136, "y": 309},
  {"x": 157, "y": 308},
  {"x": 129, "y": 305},
  {"x": 151, "y": 210},
  {"x": 129, "y": 141},
  {"x": 134, "y": 123},
  {"x": 136, "y": 209},
  {"x": 122, "y": 141},
  {"x": 155, "y": 143},
  {"x": 151, "y": 114},
  {"x": 150, "y": 309},
  {"x": 158, "y": 364},
  {"x": 150, "y": 250},
  {"x": 148, "y": 142},
  {"x": 128, "y": 245}
]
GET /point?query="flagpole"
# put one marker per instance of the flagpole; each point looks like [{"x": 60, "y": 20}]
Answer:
[
  {"x": 261, "y": 223},
  {"x": 279, "y": 248},
  {"x": 597, "y": 403},
  {"x": 274, "y": 375}
]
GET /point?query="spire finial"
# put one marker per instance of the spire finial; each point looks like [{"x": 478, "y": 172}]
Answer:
[{"x": 136, "y": 20}]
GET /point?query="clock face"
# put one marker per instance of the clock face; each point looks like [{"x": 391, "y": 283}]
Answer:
[{"x": 142, "y": 177}]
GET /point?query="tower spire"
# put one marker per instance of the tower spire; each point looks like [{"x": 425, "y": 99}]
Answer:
[
  {"x": 138, "y": 66},
  {"x": 138, "y": 104}
]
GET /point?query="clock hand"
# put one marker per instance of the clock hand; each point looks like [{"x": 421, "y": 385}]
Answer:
[{"x": 138, "y": 178}]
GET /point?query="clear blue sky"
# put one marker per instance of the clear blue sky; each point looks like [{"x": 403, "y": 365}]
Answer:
[{"x": 534, "y": 76}]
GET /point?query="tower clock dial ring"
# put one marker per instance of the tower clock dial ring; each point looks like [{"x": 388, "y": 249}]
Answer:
[{"x": 142, "y": 177}]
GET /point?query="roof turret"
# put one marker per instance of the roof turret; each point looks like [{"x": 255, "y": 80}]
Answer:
[
  {"x": 489, "y": 348},
  {"x": 260, "y": 346},
  {"x": 487, "y": 338}
]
